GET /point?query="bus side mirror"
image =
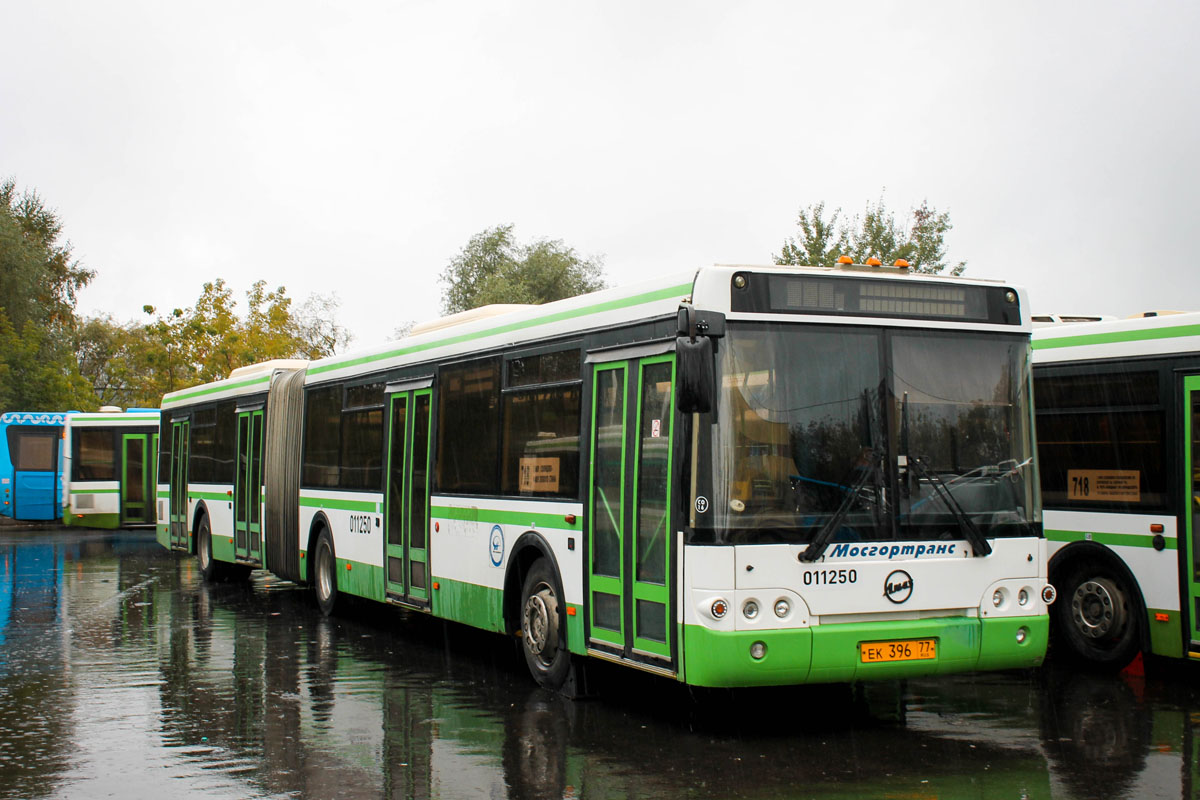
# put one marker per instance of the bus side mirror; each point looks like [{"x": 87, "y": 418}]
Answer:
[{"x": 694, "y": 371}]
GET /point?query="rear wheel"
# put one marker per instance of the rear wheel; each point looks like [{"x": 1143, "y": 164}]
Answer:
[
  {"x": 210, "y": 568},
  {"x": 543, "y": 627},
  {"x": 1097, "y": 615},
  {"x": 325, "y": 574}
]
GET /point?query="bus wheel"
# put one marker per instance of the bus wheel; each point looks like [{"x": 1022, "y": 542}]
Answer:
[
  {"x": 210, "y": 568},
  {"x": 543, "y": 627},
  {"x": 1096, "y": 615},
  {"x": 325, "y": 579}
]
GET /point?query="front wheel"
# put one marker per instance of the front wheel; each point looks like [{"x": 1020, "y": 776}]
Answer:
[
  {"x": 1097, "y": 615},
  {"x": 325, "y": 574},
  {"x": 543, "y": 627}
]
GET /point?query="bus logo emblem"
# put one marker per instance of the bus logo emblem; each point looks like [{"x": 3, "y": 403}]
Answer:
[
  {"x": 497, "y": 545},
  {"x": 898, "y": 586}
]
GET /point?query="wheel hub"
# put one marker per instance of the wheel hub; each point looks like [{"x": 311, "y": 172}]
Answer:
[
  {"x": 541, "y": 621},
  {"x": 1098, "y": 608}
]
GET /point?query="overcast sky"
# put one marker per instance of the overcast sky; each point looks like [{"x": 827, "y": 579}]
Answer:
[{"x": 354, "y": 147}]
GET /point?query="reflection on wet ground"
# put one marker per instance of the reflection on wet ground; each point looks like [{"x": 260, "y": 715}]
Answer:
[{"x": 122, "y": 674}]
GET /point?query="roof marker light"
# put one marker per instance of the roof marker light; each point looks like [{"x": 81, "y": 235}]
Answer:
[
  {"x": 874, "y": 262},
  {"x": 901, "y": 263},
  {"x": 845, "y": 260}
]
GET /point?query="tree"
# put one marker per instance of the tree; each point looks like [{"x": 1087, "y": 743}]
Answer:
[
  {"x": 494, "y": 268},
  {"x": 876, "y": 233},
  {"x": 136, "y": 364},
  {"x": 39, "y": 282}
]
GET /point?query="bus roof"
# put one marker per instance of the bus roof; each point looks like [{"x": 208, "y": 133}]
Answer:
[
  {"x": 480, "y": 330},
  {"x": 1123, "y": 338}
]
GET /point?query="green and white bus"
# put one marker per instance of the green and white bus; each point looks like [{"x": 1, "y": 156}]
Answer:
[
  {"x": 737, "y": 476},
  {"x": 1118, "y": 407},
  {"x": 109, "y": 468}
]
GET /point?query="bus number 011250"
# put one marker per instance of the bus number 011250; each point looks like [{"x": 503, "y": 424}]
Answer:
[{"x": 829, "y": 577}]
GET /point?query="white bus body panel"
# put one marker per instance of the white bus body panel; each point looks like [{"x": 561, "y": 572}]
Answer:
[{"x": 1155, "y": 571}]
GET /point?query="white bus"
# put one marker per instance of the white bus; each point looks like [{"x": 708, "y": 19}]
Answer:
[
  {"x": 736, "y": 476},
  {"x": 1117, "y": 407},
  {"x": 109, "y": 459}
]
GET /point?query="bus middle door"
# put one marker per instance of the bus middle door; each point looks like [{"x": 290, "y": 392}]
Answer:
[
  {"x": 630, "y": 605},
  {"x": 406, "y": 517},
  {"x": 247, "y": 488}
]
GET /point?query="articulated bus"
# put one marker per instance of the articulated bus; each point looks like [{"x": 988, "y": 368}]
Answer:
[
  {"x": 31, "y": 464},
  {"x": 738, "y": 476},
  {"x": 109, "y": 459},
  {"x": 1118, "y": 428}
]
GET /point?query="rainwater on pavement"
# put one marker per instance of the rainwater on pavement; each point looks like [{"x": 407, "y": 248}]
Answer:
[{"x": 123, "y": 675}]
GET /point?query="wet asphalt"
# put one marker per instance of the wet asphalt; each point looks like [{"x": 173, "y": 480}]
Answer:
[{"x": 123, "y": 675}]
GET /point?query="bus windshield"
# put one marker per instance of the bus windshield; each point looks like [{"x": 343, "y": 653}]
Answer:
[{"x": 865, "y": 434}]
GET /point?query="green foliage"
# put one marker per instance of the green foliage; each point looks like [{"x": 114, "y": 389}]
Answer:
[
  {"x": 135, "y": 365},
  {"x": 876, "y": 233},
  {"x": 39, "y": 281},
  {"x": 494, "y": 268}
]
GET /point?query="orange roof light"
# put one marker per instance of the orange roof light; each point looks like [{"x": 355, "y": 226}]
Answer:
[
  {"x": 874, "y": 262},
  {"x": 845, "y": 260},
  {"x": 901, "y": 263}
]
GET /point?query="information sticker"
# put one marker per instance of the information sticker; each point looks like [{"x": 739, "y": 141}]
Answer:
[
  {"x": 539, "y": 475},
  {"x": 1110, "y": 485}
]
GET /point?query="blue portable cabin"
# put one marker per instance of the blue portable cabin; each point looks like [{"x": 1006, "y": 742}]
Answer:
[{"x": 31, "y": 464}]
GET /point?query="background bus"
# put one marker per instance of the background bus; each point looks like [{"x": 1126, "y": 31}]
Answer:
[
  {"x": 741, "y": 476},
  {"x": 1117, "y": 414},
  {"x": 109, "y": 461},
  {"x": 31, "y": 464}
]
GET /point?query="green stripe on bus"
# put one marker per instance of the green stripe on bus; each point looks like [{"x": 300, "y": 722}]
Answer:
[
  {"x": 117, "y": 418},
  {"x": 494, "y": 517},
  {"x": 1116, "y": 337},
  {"x": 1111, "y": 539},
  {"x": 95, "y": 491},
  {"x": 339, "y": 504},
  {"x": 194, "y": 393},
  {"x": 612, "y": 305},
  {"x": 210, "y": 496}
]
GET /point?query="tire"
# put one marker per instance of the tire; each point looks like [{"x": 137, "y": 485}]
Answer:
[
  {"x": 210, "y": 569},
  {"x": 325, "y": 574},
  {"x": 1097, "y": 616},
  {"x": 544, "y": 627}
]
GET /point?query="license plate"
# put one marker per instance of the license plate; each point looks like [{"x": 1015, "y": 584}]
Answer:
[{"x": 897, "y": 650}]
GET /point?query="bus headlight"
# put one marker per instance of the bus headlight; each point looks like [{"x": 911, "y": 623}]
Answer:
[
  {"x": 1023, "y": 597},
  {"x": 750, "y": 609},
  {"x": 782, "y": 608},
  {"x": 997, "y": 597},
  {"x": 1022, "y": 635},
  {"x": 758, "y": 650}
]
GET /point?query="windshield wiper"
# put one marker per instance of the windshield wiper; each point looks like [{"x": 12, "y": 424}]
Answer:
[
  {"x": 971, "y": 533},
  {"x": 820, "y": 542}
]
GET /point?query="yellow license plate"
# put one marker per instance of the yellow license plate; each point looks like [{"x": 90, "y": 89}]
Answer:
[{"x": 897, "y": 650}]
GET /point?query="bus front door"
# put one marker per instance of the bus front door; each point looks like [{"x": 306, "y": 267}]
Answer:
[
  {"x": 1191, "y": 482},
  {"x": 630, "y": 554},
  {"x": 35, "y": 494},
  {"x": 137, "y": 485},
  {"x": 406, "y": 517},
  {"x": 179, "y": 485},
  {"x": 247, "y": 488}
]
